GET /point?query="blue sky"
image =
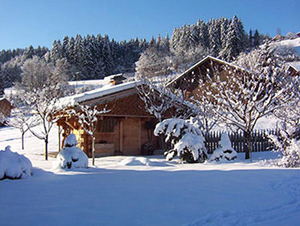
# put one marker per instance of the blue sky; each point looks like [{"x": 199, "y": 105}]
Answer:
[{"x": 40, "y": 22}]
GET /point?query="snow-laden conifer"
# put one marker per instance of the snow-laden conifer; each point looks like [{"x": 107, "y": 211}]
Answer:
[
  {"x": 71, "y": 157},
  {"x": 224, "y": 150},
  {"x": 287, "y": 142},
  {"x": 185, "y": 139}
]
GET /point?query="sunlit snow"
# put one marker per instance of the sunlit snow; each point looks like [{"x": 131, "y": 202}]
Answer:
[{"x": 130, "y": 190}]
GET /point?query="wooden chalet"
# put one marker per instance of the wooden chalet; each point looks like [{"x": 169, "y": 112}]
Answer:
[
  {"x": 5, "y": 106},
  {"x": 127, "y": 129},
  {"x": 294, "y": 68},
  {"x": 189, "y": 80}
]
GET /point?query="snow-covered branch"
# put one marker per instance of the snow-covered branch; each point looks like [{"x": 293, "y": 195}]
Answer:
[
  {"x": 185, "y": 137},
  {"x": 242, "y": 95}
]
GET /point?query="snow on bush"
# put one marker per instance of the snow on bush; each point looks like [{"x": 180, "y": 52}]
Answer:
[
  {"x": 185, "y": 137},
  {"x": 71, "y": 157},
  {"x": 14, "y": 165},
  {"x": 287, "y": 141},
  {"x": 225, "y": 150}
]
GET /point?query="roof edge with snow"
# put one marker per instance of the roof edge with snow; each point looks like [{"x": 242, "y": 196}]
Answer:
[
  {"x": 198, "y": 64},
  {"x": 71, "y": 101}
]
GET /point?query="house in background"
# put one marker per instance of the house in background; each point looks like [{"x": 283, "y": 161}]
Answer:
[
  {"x": 189, "y": 80},
  {"x": 5, "y": 107},
  {"x": 294, "y": 68},
  {"x": 5, "y": 110},
  {"x": 126, "y": 129}
]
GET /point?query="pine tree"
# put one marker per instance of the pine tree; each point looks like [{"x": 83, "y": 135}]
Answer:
[
  {"x": 29, "y": 52},
  {"x": 107, "y": 57},
  {"x": 214, "y": 37},
  {"x": 223, "y": 31},
  {"x": 256, "y": 39},
  {"x": 56, "y": 51},
  {"x": 251, "y": 41},
  {"x": 70, "y": 53},
  {"x": 236, "y": 40},
  {"x": 203, "y": 34},
  {"x": 65, "y": 46}
]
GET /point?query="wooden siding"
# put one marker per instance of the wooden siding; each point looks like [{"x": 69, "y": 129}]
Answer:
[
  {"x": 5, "y": 107},
  {"x": 130, "y": 120},
  {"x": 189, "y": 80}
]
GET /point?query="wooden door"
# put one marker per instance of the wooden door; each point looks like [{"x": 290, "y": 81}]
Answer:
[{"x": 131, "y": 137}]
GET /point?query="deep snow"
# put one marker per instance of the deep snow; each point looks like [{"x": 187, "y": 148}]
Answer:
[{"x": 148, "y": 191}]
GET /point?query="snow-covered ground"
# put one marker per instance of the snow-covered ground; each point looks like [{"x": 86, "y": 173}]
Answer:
[
  {"x": 148, "y": 191},
  {"x": 292, "y": 43}
]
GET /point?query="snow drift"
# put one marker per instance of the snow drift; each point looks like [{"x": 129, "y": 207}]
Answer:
[{"x": 14, "y": 165}]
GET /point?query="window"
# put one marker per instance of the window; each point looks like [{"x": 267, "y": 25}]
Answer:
[{"x": 107, "y": 125}]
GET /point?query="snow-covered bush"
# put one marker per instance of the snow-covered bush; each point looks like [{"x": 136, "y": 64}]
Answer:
[
  {"x": 71, "y": 156},
  {"x": 224, "y": 151},
  {"x": 185, "y": 138},
  {"x": 288, "y": 143},
  {"x": 14, "y": 165}
]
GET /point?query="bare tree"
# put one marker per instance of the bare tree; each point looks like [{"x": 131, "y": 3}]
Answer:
[
  {"x": 21, "y": 118},
  {"x": 42, "y": 103},
  {"x": 205, "y": 115},
  {"x": 88, "y": 121},
  {"x": 159, "y": 100},
  {"x": 242, "y": 96},
  {"x": 42, "y": 89}
]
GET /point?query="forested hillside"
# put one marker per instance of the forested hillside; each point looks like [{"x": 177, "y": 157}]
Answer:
[
  {"x": 94, "y": 57},
  {"x": 222, "y": 38}
]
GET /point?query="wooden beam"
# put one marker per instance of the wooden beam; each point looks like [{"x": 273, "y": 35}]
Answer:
[
  {"x": 121, "y": 136},
  {"x": 59, "y": 138},
  {"x": 140, "y": 135},
  {"x": 70, "y": 125}
]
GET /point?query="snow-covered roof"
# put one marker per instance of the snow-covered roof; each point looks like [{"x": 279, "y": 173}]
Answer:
[
  {"x": 199, "y": 63},
  {"x": 2, "y": 98},
  {"x": 88, "y": 82},
  {"x": 292, "y": 43},
  {"x": 108, "y": 78},
  {"x": 295, "y": 65},
  {"x": 93, "y": 94}
]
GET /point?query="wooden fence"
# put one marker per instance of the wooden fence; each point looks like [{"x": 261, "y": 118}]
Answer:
[{"x": 260, "y": 141}]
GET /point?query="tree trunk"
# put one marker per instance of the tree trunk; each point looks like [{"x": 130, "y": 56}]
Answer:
[
  {"x": 46, "y": 147},
  {"x": 59, "y": 138},
  {"x": 248, "y": 146},
  {"x": 23, "y": 140},
  {"x": 93, "y": 150}
]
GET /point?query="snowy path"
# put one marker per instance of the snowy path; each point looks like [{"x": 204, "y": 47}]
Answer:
[{"x": 149, "y": 191}]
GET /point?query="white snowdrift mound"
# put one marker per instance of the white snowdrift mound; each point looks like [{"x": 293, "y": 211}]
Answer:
[
  {"x": 14, "y": 165},
  {"x": 135, "y": 161},
  {"x": 71, "y": 157}
]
